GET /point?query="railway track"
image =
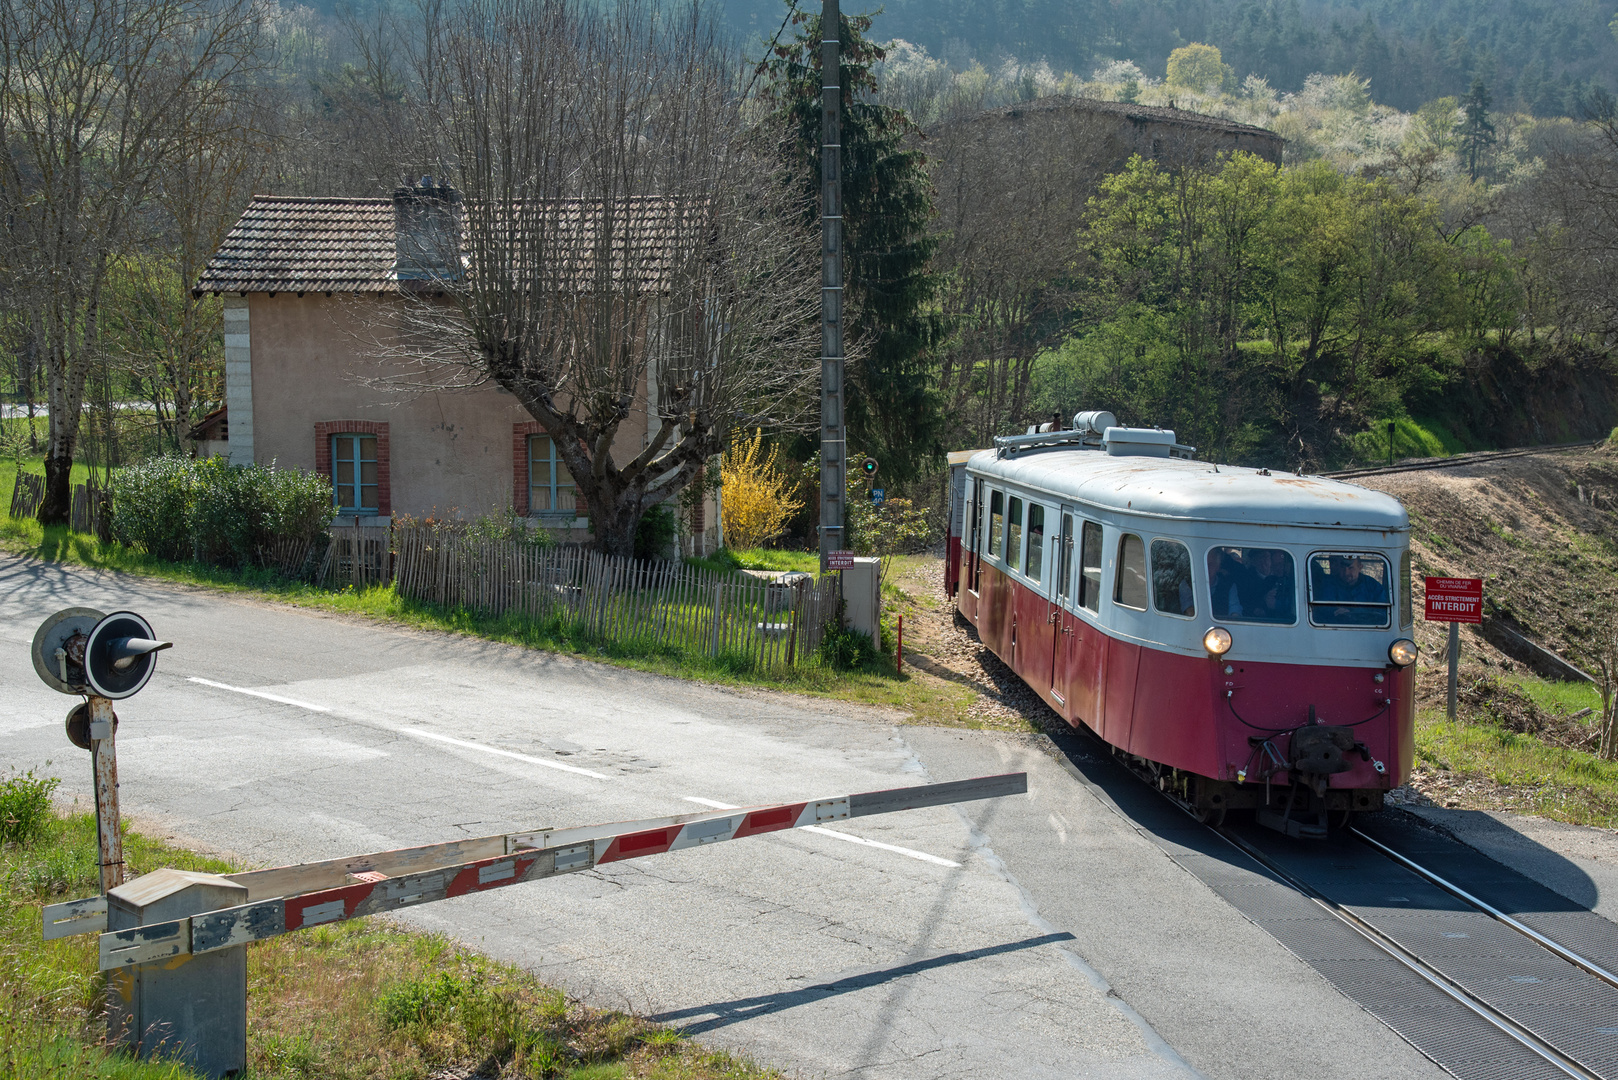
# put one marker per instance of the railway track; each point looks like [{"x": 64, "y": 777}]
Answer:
[
  {"x": 1405, "y": 939},
  {"x": 1458, "y": 460},
  {"x": 1489, "y": 974}
]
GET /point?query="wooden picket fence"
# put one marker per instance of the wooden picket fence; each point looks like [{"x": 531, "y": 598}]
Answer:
[
  {"x": 87, "y": 511},
  {"x": 758, "y": 622},
  {"x": 27, "y": 495},
  {"x": 358, "y": 556}
]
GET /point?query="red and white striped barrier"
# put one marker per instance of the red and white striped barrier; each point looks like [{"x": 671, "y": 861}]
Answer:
[{"x": 311, "y": 894}]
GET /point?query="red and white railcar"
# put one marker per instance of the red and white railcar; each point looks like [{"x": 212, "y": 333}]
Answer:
[{"x": 1242, "y": 634}]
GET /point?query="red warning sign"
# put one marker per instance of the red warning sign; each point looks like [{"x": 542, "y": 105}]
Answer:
[
  {"x": 1452, "y": 599},
  {"x": 842, "y": 559}
]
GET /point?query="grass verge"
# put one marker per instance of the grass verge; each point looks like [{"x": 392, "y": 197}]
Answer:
[
  {"x": 350, "y": 1001},
  {"x": 1475, "y": 764},
  {"x": 875, "y": 683}
]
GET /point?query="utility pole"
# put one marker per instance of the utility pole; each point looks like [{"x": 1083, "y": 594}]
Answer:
[{"x": 833, "y": 433}]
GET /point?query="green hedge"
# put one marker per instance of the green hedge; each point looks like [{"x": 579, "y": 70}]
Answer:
[{"x": 214, "y": 512}]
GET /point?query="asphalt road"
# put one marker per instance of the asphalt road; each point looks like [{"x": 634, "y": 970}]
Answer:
[{"x": 1041, "y": 936}]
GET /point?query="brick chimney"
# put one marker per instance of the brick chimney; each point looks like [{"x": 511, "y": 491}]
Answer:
[{"x": 427, "y": 232}]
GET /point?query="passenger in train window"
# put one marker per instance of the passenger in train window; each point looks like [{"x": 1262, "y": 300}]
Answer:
[
  {"x": 1171, "y": 578},
  {"x": 1252, "y": 584},
  {"x": 1226, "y": 573},
  {"x": 1348, "y": 589}
]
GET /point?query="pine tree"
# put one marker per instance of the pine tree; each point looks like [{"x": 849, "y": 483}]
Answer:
[
  {"x": 1477, "y": 134},
  {"x": 894, "y": 411}
]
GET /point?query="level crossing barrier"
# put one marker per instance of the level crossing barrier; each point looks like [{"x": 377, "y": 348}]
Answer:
[{"x": 174, "y": 942}]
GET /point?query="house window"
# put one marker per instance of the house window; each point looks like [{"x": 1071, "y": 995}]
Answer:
[
  {"x": 550, "y": 485},
  {"x": 354, "y": 473}
]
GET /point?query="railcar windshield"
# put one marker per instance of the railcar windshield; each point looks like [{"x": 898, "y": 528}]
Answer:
[
  {"x": 1348, "y": 588},
  {"x": 1252, "y": 584},
  {"x": 1171, "y": 578}
]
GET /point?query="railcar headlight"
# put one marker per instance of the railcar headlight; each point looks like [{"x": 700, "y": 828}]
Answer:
[
  {"x": 1402, "y": 652},
  {"x": 1217, "y": 640}
]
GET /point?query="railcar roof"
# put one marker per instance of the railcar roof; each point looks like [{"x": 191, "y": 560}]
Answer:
[{"x": 1173, "y": 487}]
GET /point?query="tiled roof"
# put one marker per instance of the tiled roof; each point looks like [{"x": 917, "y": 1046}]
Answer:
[
  {"x": 283, "y": 244},
  {"x": 305, "y": 245}
]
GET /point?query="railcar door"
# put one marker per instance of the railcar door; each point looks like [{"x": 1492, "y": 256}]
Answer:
[
  {"x": 1065, "y": 646},
  {"x": 972, "y": 569}
]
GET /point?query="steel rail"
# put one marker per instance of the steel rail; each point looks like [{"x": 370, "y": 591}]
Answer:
[
  {"x": 1583, "y": 963},
  {"x": 1484, "y": 1011},
  {"x": 1459, "y": 460}
]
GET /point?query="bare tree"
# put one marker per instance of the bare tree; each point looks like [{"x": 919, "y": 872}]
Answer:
[
  {"x": 1011, "y": 189},
  {"x": 613, "y": 241},
  {"x": 97, "y": 98}
]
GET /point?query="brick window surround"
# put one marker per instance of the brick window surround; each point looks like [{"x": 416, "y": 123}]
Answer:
[
  {"x": 519, "y": 469},
  {"x": 325, "y": 429}
]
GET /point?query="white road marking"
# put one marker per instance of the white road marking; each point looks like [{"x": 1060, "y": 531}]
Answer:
[
  {"x": 922, "y": 855},
  {"x": 261, "y": 694},
  {"x": 416, "y": 732}
]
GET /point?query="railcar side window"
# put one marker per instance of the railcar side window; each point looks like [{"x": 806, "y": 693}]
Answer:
[
  {"x": 1090, "y": 567},
  {"x": 1171, "y": 578},
  {"x": 1252, "y": 585},
  {"x": 1348, "y": 588},
  {"x": 1062, "y": 555},
  {"x": 1407, "y": 616},
  {"x": 1014, "y": 534},
  {"x": 1036, "y": 541},
  {"x": 997, "y": 522},
  {"x": 1129, "y": 588}
]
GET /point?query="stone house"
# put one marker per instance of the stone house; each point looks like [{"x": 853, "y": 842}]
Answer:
[{"x": 306, "y": 283}]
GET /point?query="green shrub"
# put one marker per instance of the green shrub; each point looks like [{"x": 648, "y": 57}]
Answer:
[
  {"x": 229, "y": 515},
  {"x": 25, "y": 806},
  {"x": 151, "y": 506},
  {"x": 239, "y": 511},
  {"x": 421, "y": 1001},
  {"x": 655, "y": 532},
  {"x": 845, "y": 649},
  {"x": 508, "y": 526}
]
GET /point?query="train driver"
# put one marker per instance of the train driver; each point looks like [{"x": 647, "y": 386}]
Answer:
[{"x": 1348, "y": 583}]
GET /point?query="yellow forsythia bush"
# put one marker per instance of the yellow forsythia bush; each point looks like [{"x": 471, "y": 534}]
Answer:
[{"x": 757, "y": 498}]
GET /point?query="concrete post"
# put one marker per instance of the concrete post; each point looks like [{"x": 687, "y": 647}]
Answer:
[{"x": 190, "y": 1008}]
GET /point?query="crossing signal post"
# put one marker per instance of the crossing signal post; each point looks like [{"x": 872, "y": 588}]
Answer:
[{"x": 80, "y": 651}]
